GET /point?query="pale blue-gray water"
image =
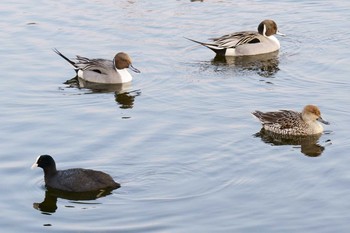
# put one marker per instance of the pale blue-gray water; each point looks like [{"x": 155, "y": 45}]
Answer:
[{"x": 180, "y": 139}]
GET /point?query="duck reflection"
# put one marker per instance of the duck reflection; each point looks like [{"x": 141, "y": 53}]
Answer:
[
  {"x": 124, "y": 98},
  {"x": 309, "y": 144},
  {"x": 264, "y": 65},
  {"x": 49, "y": 204},
  {"x": 97, "y": 87}
]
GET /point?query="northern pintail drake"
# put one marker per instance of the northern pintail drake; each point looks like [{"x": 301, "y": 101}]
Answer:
[
  {"x": 103, "y": 70},
  {"x": 289, "y": 122},
  {"x": 246, "y": 43}
]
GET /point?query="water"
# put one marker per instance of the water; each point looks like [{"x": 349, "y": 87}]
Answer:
[{"x": 182, "y": 141}]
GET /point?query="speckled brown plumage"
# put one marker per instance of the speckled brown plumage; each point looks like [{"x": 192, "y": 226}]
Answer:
[{"x": 290, "y": 122}]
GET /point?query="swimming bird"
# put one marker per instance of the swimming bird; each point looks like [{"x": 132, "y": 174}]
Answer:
[
  {"x": 75, "y": 179},
  {"x": 102, "y": 70},
  {"x": 246, "y": 43},
  {"x": 290, "y": 122}
]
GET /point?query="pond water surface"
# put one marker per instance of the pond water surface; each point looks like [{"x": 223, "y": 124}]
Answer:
[{"x": 180, "y": 139}]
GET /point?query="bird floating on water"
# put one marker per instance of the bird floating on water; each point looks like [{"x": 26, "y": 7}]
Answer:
[
  {"x": 74, "y": 179},
  {"x": 102, "y": 70},
  {"x": 290, "y": 122},
  {"x": 246, "y": 43}
]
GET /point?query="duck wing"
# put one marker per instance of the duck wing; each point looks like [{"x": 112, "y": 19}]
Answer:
[
  {"x": 283, "y": 119},
  {"x": 236, "y": 39},
  {"x": 98, "y": 65}
]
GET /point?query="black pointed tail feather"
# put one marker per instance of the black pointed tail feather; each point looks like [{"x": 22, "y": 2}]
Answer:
[
  {"x": 65, "y": 58},
  {"x": 196, "y": 41},
  {"x": 219, "y": 51}
]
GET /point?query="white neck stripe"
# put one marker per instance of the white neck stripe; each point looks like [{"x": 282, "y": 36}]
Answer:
[{"x": 264, "y": 31}]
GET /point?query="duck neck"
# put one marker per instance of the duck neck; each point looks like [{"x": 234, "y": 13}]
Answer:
[
  {"x": 125, "y": 76},
  {"x": 275, "y": 40}
]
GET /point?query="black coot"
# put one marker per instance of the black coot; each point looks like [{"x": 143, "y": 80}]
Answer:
[{"x": 75, "y": 179}]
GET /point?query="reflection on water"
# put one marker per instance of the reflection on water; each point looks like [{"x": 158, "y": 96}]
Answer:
[
  {"x": 309, "y": 144},
  {"x": 126, "y": 99},
  {"x": 97, "y": 87},
  {"x": 49, "y": 204},
  {"x": 123, "y": 97},
  {"x": 264, "y": 65}
]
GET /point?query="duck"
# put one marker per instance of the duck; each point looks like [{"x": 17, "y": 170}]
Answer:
[
  {"x": 76, "y": 180},
  {"x": 289, "y": 122},
  {"x": 102, "y": 71},
  {"x": 246, "y": 43}
]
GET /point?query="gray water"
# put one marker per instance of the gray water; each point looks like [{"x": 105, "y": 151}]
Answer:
[{"x": 180, "y": 139}]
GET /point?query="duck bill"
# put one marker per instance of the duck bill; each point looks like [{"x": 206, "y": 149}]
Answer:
[
  {"x": 134, "y": 69},
  {"x": 323, "y": 121},
  {"x": 280, "y": 34}
]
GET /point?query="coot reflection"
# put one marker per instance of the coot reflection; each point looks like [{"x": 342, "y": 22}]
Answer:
[{"x": 49, "y": 204}]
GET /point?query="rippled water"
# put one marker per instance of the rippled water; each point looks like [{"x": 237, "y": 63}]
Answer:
[{"x": 180, "y": 139}]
